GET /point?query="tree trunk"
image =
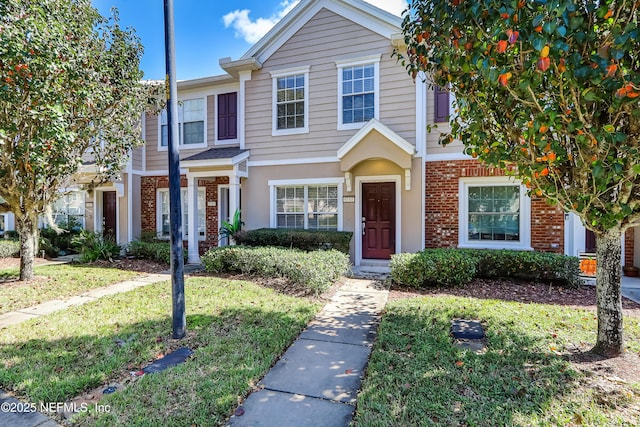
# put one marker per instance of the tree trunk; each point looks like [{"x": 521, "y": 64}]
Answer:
[
  {"x": 608, "y": 255},
  {"x": 28, "y": 230}
]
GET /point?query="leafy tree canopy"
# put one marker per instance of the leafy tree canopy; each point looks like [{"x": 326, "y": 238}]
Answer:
[
  {"x": 547, "y": 89},
  {"x": 70, "y": 93}
]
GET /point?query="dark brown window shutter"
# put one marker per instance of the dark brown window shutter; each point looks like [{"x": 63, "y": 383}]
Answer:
[
  {"x": 441, "y": 104},
  {"x": 228, "y": 116}
]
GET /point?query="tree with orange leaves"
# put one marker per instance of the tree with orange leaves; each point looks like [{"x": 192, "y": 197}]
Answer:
[{"x": 550, "y": 92}]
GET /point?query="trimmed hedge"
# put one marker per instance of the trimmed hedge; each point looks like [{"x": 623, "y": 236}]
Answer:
[
  {"x": 306, "y": 240},
  {"x": 9, "y": 248},
  {"x": 526, "y": 265},
  {"x": 153, "y": 250},
  {"x": 455, "y": 267},
  {"x": 312, "y": 272},
  {"x": 433, "y": 267}
]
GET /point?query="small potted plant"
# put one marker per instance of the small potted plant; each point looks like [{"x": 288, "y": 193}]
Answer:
[{"x": 630, "y": 271}]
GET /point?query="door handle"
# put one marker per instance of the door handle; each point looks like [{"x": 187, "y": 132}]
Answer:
[{"x": 364, "y": 225}]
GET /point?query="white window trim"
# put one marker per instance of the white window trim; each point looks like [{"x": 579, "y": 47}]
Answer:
[
  {"x": 182, "y": 146},
  {"x": 83, "y": 195},
  {"x": 185, "y": 226},
  {"x": 273, "y": 183},
  {"x": 366, "y": 60},
  {"x": 463, "y": 214},
  {"x": 236, "y": 140},
  {"x": 275, "y": 75}
]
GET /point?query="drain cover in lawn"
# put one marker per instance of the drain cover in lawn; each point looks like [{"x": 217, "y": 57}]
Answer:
[
  {"x": 172, "y": 359},
  {"x": 467, "y": 329}
]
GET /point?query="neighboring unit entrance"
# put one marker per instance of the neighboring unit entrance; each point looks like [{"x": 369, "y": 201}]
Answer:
[
  {"x": 378, "y": 220},
  {"x": 109, "y": 213}
]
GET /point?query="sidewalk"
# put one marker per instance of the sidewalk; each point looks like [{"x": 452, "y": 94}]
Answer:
[
  {"x": 49, "y": 307},
  {"x": 15, "y": 413},
  {"x": 316, "y": 380}
]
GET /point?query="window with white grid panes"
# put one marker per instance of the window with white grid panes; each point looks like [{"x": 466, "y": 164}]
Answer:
[
  {"x": 313, "y": 207},
  {"x": 290, "y": 102},
  {"x": 164, "y": 226},
  {"x": 358, "y": 93}
]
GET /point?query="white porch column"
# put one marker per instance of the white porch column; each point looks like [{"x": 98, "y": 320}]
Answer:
[
  {"x": 192, "y": 202},
  {"x": 234, "y": 196}
]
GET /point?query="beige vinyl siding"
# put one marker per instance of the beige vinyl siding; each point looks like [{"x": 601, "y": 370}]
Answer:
[
  {"x": 211, "y": 120},
  {"x": 158, "y": 159},
  {"x": 433, "y": 147},
  {"x": 136, "y": 158},
  {"x": 327, "y": 37}
]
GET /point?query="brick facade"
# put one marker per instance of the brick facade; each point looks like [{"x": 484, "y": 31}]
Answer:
[
  {"x": 441, "y": 207},
  {"x": 148, "y": 189},
  {"x": 629, "y": 246}
]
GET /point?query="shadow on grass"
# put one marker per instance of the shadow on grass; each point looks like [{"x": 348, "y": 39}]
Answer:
[
  {"x": 232, "y": 350},
  {"x": 416, "y": 376}
]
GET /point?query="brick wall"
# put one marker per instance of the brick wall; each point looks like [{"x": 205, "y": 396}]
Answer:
[
  {"x": 629, "y": 240},
  {"x": 441, "y": 207},
  {"x": 149, "y": 186}
]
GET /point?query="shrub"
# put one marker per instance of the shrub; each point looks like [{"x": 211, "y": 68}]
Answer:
[
  {"x": 95, "y": 246},
  {"x": 313, "y": 272},
  {"x": 449, "y": 267},
  {"x": 9, "y": 248},
  {"x": 55, "y": 244},
  {"x": 433, "y": 267},
  {"x": 156, "y": 250},
  {"x": 526, "y": 265},
  {"x": 306, "y": 240}
]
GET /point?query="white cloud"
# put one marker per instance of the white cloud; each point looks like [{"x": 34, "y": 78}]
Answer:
[
  {"x": 252, "y": 31},
  {"x": 395, "y": 7}
]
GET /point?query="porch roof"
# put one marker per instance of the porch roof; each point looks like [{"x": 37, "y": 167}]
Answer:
[{"x": 226, "y": 157}]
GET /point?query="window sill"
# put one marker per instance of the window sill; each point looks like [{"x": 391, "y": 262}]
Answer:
[
  {"x": 294, "y": 131},
  {"x": 495, "y": 246}
]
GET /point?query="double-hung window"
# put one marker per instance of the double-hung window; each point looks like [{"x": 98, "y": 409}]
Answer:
[
  {"x": 290, "y": 101},
  {"x": 191, "y": 129},
  {"x": 313, "y": 205},
  {"x": 164, "y": 226},
  {"x": 358, "y": 91},
  {"x": 494, "y": 213}
]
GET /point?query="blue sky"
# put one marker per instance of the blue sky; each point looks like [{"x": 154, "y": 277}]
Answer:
[{"x": 206, "y": 30}]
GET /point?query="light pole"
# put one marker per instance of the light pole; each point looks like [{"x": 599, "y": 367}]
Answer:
[{"x": 175, "y": 210}]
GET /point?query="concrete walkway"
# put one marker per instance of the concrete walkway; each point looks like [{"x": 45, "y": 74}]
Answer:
[
  {"x": 49, "y": 307},
  {"x": 316, "y": 380}
]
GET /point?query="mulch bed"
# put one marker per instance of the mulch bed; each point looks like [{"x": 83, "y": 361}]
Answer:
[{"x": 525, "y": 292}]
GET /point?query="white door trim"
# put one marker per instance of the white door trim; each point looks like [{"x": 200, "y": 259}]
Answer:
[{"x": 397, "y": 179}]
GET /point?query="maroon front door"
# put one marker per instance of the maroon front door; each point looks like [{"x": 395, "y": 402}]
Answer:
[
  {"x": 378, "y": 220},
  {"x": 109, "y": 213}
]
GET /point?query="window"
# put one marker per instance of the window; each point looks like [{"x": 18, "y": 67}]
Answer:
[
  {"x": 290, "y": 101},
  {"x": 313, "y": 207},
  {"x": 69, "y": 210},
  {"x": 227, "y": 116},
  {"x": 494, "y": 213},
  {"x": 3, "y": 223},
  {"x": 358, "y": 92},
  {"x": 164, "y": 227},
  {"x": 191, "y": 114},
  {"x": 442, "y": 104}
]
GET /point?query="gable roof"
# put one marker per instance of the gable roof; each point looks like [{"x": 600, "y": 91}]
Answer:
[{"x": 358, "y": 11}]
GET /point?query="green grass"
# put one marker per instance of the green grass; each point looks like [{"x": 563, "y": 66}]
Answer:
[
  {"x": 416, "y": 377},
  {"x": 237, "y": 328},
  {"x": 54, "y": 282}
]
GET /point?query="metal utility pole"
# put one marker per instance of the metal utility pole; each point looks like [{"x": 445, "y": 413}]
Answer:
[{"x": 175, "y": 210}]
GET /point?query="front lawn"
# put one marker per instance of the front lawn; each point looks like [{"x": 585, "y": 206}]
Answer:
[
  {"x": 236, "y": 328},
  {"x": 54, "y": 282},
  {"x": 530, "y": 373}
]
